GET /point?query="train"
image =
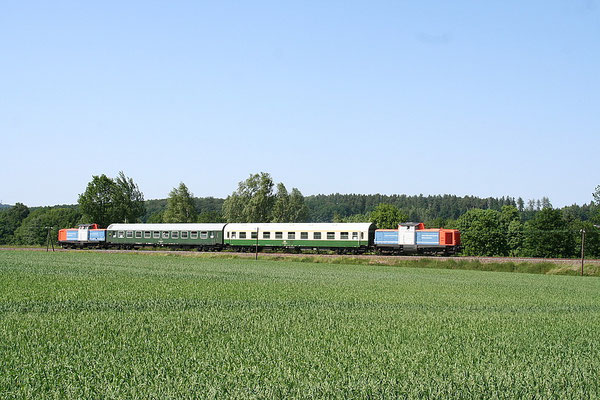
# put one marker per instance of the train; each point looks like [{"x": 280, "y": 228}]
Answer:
[{"x": 341, "y": 238}]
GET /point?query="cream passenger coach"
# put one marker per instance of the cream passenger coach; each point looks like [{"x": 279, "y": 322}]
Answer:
[{"x": 354, "y": 236}]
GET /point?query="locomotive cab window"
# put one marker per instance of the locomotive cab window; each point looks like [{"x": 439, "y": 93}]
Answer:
[
  {"x": 317, "y": 235},
  {"x": 330, "y": 235},
  {"x": 303, "y": 235}
]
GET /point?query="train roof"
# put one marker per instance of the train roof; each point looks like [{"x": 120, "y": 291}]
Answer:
[
  {"x": 166, "y": 227},
  {"x": 299, "y": 226}
]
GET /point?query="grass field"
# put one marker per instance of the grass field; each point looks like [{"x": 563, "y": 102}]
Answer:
[{"x": 83, "y": 324}]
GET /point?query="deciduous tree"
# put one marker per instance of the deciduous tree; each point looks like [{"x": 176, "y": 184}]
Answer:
[
  {"x": 252, "y": 201},
  {"x": 281, "y": 206},
  {"x": 547, "y": 234},
  {"x": 106, "y": 200},
  {"x": 298, "y": 211},
  {"x": 482, "y": 233},
  {"x": 180, "y": 206},
  {"x": 128, "y": 200},
  {"x": 10, "y": 219},
  {"x": 387, "y": 216},
  {"x": 97, "y": 202}
]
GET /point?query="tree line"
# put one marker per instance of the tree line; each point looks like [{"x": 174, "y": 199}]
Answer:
[
  {"x": 504, "y": 226},
  {"x": 549, "y": 233}
]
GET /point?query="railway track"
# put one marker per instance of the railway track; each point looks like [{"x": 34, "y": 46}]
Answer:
[{"x": 373, "y": 257}]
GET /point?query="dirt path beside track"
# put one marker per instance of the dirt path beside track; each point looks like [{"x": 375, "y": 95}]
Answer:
[{"x": 373, "y": 257}]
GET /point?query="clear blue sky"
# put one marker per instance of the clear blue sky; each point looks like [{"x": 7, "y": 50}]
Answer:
[{"x": 485, "y": 98}]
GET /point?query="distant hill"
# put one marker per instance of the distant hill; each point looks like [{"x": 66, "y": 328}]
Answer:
[
  {"x": 325, "y": 207},
  {"x": 203, "y": 204},
  {"x": 5, "y": 206}
]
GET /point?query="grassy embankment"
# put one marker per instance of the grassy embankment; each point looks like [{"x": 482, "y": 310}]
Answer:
[
  {"x": 86, "y": 324},
  {"x": 458, "y": 263}
]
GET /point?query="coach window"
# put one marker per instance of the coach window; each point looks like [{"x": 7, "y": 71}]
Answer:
[
  {"x": 184, "y": 234},
  {"x": 165, "y": 235},
  {"x": 317, "y": 235},
  {"x": 291, "y": 235},
  {"x": 129, "y": 234},
  {"x": 194, "y": 235},
  {"x": 354, "y": 235},
  {"x": 278, "y": 235},
  {"x": 203, "y": 235},
  {"x": 303, "y": 235},
  {"x": 147, "y": 235},
  {"x": 232, "y": 235},
  {"x": 121, "y": 234},
  {"x": 175, "y": 235},
  {"x": 212, "y": 235},
  {"x": 156, "y": 235},
  {"x": 344, "y": 235},
  {"x": 330, "y": 235},
  {"x": 242, "y": 235},
  {"x": 138, "y": 234},
  {"x": 266, "y": 235},
  {"x": 253, "y": 235}
]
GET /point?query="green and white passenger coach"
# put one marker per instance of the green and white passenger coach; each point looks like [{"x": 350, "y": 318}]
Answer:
[
  {"x": 200, "y": 236},
  {"x": 343, "y": 237}
]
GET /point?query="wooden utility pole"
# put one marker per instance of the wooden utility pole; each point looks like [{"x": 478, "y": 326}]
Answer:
[
  {"x": 256, "y": 253},
  {"x": 582, "y": 249},
  {"x": 49, "y": 239}
]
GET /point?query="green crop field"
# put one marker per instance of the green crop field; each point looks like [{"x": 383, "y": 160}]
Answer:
[{"x": 99, "y": 325}]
